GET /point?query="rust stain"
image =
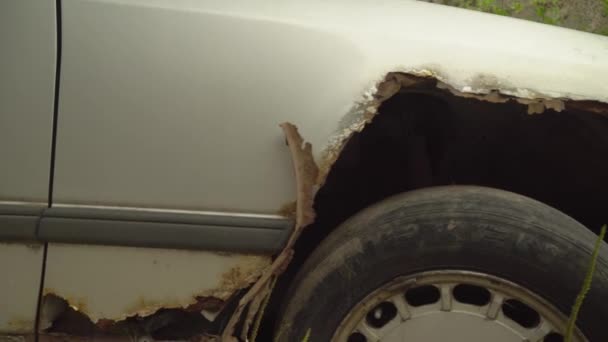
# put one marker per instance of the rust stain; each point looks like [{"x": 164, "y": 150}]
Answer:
[
  {"x": 210, "y": 304},
  {"x": 76, "y": 303},
  {"x": 233, "y": 280},
  {"x": 589, "y": 106},
  {"x": 17, "y": 338},
  {"x": 54, "y": 306},
  {"x": 288, "y": 210},
  {"x": 20, "y": 325},
  {"x": 310, "y": 177},
  {"x": 483, "y": 88},
  {"x": 209, "y": 301},
  {"x": 237, "y": 278},
  {"x": 144, "y": 307},
  {"x": 67, "y": 316},
  {"x": 306, "y": 174},
  {"x": 67, "y": 324},
  {"x": 105, "y": 324}
]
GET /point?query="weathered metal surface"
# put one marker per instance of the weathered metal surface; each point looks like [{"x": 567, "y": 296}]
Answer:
[
  {"x": 482, "y": 87},
  {"x": 310, "y": 178},
  {"x": 17, "y": 338},
  {"x": 304, "y": 62},
  {"x": 27, "y": 69},
  {"x": 165, "y": 324},
  {"x": 306, "y": 174},
  {"x": 20, "y": 266},
  {"x": 110, "y": 284}
]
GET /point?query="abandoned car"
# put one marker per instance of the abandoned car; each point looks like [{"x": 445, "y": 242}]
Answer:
[{"x": 206, "y": 170}]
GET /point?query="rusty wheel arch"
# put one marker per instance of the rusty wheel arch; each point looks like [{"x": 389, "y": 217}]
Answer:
[
  {"x": 410, "y": 145},
  {"x": 398, "y": 91}
]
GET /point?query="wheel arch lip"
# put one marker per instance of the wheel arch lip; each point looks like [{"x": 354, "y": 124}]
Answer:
[{"x": 489, "y": 57}]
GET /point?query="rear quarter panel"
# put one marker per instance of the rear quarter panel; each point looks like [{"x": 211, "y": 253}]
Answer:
[{"x": 175, "y": 104}]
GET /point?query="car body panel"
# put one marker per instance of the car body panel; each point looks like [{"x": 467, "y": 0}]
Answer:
[
  {"x": 27, "y": 79},
  {"x": 242, "y": 233},
  {"x": 113, "y": 283},
  {"x": 170, "y": 105},
  {"x": 21, "y": 267},
  {"x": 175, "y": 104}
]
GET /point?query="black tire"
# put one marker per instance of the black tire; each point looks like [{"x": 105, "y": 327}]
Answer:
[{"x": 455, "y": 227}]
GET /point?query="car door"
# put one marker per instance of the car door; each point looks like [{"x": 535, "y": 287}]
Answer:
[
  {"x": 155, "y": 205},
  {"x": 27, "y": 78},
  {"x": 170, "y": 167}
]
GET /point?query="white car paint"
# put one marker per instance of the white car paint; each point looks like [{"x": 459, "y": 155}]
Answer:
[
  {"x": 118, "y": 282},
  {"x": 175, "y": 104},
  {"x": 21, "y": 267},
  {"x": 27, "y": 80},
  {"x": 27, "y": 83}
]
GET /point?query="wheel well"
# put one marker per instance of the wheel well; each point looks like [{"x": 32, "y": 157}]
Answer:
[{"x": 424, "y": 138}]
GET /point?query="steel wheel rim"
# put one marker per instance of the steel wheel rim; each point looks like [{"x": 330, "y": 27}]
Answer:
[{"x": 388, "y": 314}]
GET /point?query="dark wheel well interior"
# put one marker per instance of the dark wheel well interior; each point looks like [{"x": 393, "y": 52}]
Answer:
[{"x": 429, "y": 138}]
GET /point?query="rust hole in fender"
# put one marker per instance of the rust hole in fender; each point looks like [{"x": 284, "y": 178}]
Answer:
[
  {"x": 60, "y": 320},
  {"x": 419, "y": 132},
  {"x": 416, "y": 131}
]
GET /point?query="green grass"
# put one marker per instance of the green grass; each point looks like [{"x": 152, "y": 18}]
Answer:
[
  {"x": 517, "y": 7},
  {"x": 547, "y": 11},
  {"x": 578, "y": 303},
  {"x": 552, "y": 12},
  {"x": 307, "y": 336},
  {"x": 603, "y": 31},
  {"x": 490, "y": 6}
]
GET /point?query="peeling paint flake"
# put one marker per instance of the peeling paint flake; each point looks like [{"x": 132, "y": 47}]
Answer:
[{"x": 306, "y": 174}]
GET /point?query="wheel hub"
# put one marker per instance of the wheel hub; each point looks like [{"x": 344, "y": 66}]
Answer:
[
  {"x": 453, "y": 306},
  {"x": 453, "y": 326}
]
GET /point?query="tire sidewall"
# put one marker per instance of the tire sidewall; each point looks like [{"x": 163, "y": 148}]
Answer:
[{"x": 385, "y": 243}]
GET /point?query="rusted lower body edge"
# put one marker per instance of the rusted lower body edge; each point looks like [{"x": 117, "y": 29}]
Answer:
[
  {"x": 310, "y": 177},
  {"x": 306, "y": 173}
]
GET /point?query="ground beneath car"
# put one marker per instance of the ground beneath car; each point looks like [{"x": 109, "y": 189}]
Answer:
[{"x": 584, "y": 15}]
